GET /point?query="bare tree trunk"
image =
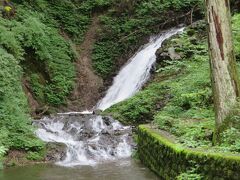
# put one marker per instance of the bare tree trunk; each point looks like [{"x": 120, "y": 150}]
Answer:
[{"x": 225, "y": 80}]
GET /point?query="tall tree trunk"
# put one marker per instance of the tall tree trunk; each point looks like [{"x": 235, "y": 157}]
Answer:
[{"x": 225, "y": 80}]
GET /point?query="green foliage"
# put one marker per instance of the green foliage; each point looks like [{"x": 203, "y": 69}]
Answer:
[
  {"x": 190, "y": 175},
  {"x": 156, "y": 6},
  {"x": 127, "y": 24},
  {"x": 16, "y": 130},
  {"x": 91, "y": 6},
  {"x": 35, "y": 156},
  {"x": 141, "y": 107},
  {"x": 64, "y": 15},
  {"x": 37, "y": 87},
  {"x": 73, "y": 17},
  {"x": 236, "y": 31},
  {"x": 41, "y": 50},
  {"x": 29, "y": 47},
  {"x": 53, "y": 51},
  {"x": 190, "y": 114},
  {"x": 230, "y": 140},
  {"x": 172, "y": 67},
  {"x": 2, "y": 152}
]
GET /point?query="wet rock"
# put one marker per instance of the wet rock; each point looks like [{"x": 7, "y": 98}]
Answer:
[
  {"x": 94, "y": 137},
  {"x": 107, "y": 120},
  {"x": 56, "y": 152},
  {"x": 104, "y": 131},
  {"x": 166, "y": 55},
  {"x": 43, "y": 110},
  {"x": 162, "y": 55},
  {"x": 172, "y": 54},
  {"x": 97, "y": 112}
]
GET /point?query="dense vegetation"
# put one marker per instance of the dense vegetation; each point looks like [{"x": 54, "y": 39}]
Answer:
[
  {"x": 126, "y": 25},
  {"x": 31, "y": 48},
  {"x": 188, "y": 113},
  {"x": 37, "y": 46}
]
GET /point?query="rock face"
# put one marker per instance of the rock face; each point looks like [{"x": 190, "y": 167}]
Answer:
[
  {"x": 167, "y": 53},
  {"x": 172, "y": 54}
]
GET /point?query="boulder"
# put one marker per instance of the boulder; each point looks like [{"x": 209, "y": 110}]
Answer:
[{"x": 173, "y": 54}]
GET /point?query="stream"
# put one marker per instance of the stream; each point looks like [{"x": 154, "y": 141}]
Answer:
[
  {"x": 121, "y": 170},
  {"x": 96, "y": 147}
]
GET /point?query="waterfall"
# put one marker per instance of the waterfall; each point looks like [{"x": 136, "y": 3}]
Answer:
[
  {"x": 91, "y": 139},
  {"x": 136, "y": 72}
]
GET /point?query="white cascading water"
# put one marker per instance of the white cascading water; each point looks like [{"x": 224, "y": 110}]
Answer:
[
  {"x": 135, "y": 73},
  {"x": 89, "y": 140},
  {"x": 92, "y": 139}
]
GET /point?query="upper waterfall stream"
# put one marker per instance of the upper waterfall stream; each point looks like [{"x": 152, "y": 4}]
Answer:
[
  {"x": 136, "y": 72},
  {"x": 91, "y": 139}
]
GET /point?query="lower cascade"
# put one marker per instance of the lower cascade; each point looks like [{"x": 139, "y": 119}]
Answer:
[
  {"x": 89, "y": 139},
  {"x": 92, "y": 139}
]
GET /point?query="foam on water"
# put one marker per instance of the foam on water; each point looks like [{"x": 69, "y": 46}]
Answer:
[{"x": 98, "y": 145}]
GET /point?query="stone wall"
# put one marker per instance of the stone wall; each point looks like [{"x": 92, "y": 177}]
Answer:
[{"x": 168, "y": 159}]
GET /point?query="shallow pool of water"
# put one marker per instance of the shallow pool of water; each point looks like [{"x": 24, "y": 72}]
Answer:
[{"x": 121, "y": 170}]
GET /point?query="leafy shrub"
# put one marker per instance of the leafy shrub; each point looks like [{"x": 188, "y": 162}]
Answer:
[
  {"x": 52, "y": 53},
  {"x": 35, "y": 156},
  {"x": 141, "y": 107},
  {"x": 2, "y": 150}
]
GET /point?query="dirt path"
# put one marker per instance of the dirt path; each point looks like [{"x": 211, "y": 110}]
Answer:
[{"x": 87, "y": 88}]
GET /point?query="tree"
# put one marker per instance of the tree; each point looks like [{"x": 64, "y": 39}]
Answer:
[{"x": 225, "y": 82}]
